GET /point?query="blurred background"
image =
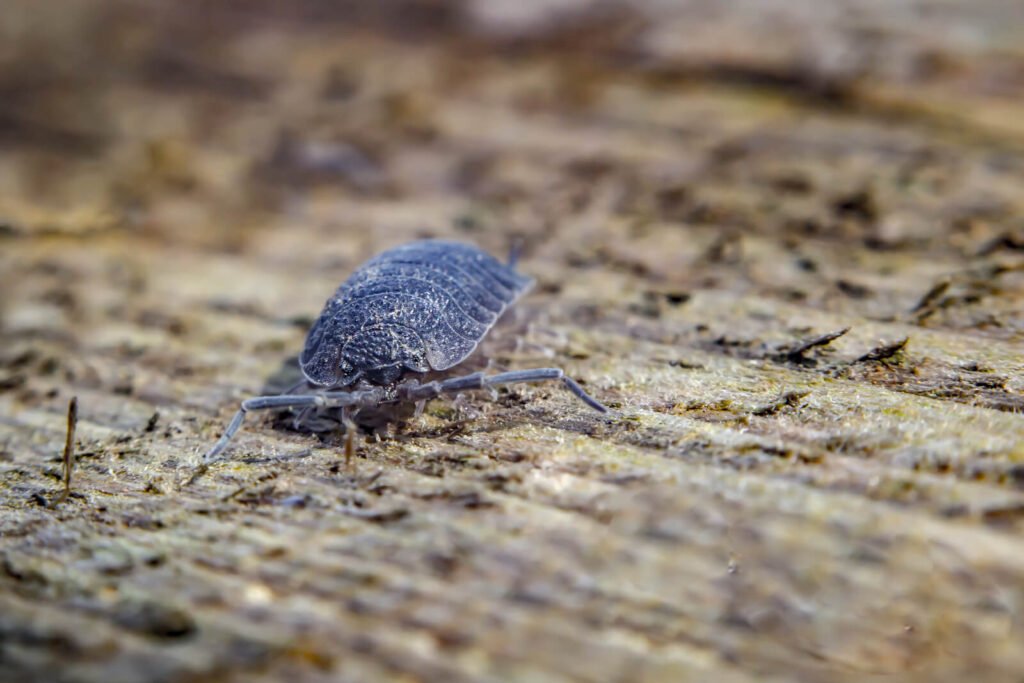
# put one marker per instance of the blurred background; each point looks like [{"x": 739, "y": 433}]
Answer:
[
  {"x": 202, "y": 122},
  {"x": 784, "y": 238}
]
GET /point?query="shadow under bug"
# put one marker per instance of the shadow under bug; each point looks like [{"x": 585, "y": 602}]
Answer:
[{"x": 419, "y": 308}]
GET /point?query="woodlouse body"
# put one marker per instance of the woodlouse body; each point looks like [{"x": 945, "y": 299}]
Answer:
[
  {"x": 418, "y": 308},
  {"x": 412, "y": 309}
]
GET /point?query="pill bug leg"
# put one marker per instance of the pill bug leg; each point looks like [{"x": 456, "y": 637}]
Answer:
[
  {"x": 329, "y": 399},
  {"x": 480, "y": 381}
]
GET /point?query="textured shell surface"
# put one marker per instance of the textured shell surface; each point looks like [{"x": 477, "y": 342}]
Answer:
[{"x": 418, "y": 307}]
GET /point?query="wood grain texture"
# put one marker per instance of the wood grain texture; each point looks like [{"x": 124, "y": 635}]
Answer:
[{"x": 708, "y": 196}]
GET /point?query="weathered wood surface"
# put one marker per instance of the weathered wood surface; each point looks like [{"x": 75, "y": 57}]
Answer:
[{"x": 703, "y": 188}]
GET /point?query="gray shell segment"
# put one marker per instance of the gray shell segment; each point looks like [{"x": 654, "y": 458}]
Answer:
[{"x": 418, "y": 307}]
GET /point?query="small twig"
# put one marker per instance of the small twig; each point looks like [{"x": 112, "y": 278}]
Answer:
[
  {"x": 69, "y": 451},
  {"x": 1007, "y": 240},
  {"x": 368, "y": 480},
  {"x": 350, "y": 431},
  {"x": 937, "y": 290},
  {"x": 1003, "y": 513},
  {"x": 382, "y": 516},
  {"x": 727, "y": 248},
  {"x": 884, "y": 351},
  {"x": 245, "y": 487},
  {"x": 790, "y": 398},
  {"x": 199, "y": 471},
  {"x": 805, "y": 345},
  {"x": 69, "y": 443}
]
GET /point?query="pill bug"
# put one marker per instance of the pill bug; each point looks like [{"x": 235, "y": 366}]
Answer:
[{"x": 415, "y": 309}]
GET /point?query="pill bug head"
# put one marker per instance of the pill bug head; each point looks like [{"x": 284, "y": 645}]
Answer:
[
  {"x": 323, "y": 364},
  {"x": 381, "y": 355},
  {"x": 322, "y": 360}
]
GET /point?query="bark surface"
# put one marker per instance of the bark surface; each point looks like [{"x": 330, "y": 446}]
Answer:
[{"x": 782, "y": 240}]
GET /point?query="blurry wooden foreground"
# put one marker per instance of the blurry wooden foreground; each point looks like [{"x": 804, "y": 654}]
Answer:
[{"x": 708, "y": 192}]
